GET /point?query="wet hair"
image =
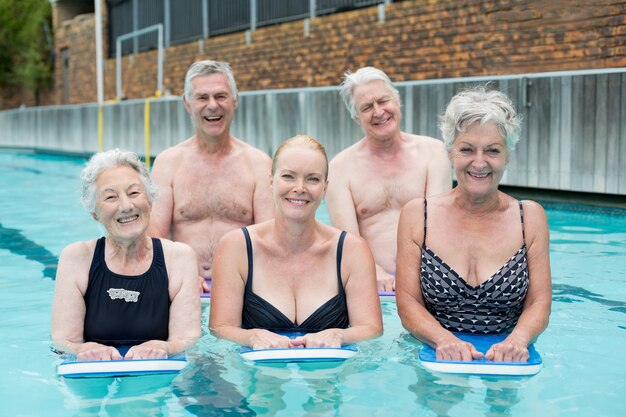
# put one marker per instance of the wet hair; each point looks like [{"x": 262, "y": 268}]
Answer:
[
  {"x": 207, "y": 67},
  {"x": 102, "y": 161},
  {"x": 303, "y": 141},
  {"x": 362, "y": 76},
  {"x": 480, "y": 105}
]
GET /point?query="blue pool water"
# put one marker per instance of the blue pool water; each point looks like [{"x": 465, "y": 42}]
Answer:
[{"x": 583, "y": 348}]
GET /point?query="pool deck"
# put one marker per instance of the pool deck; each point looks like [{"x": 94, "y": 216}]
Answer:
[{"x": 611, "y": 202}]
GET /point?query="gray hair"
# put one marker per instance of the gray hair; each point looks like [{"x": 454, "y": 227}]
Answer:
[
  {"x": 480, "y": 105},
  {"x": 102, "y": 161},
  {"x": 207, "y": 67},
  {"x": 362, "y": 76}
]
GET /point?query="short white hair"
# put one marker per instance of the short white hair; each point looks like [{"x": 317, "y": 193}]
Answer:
[
  {"x": 480, "y": 105},
  {"x": 362, "y": 76},
  {"x": 102, "y": 161},
  {"x": 207, "y": 67}
]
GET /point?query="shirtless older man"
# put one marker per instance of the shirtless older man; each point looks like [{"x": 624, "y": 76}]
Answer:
[
  {"x": 370, "y": 181},
  {"x": 212, "y": 182}
]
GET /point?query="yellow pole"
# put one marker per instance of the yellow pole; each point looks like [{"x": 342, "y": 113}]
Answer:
[
  {"x": 100, "y": 128},
  {"x": 146, "y": 130}
]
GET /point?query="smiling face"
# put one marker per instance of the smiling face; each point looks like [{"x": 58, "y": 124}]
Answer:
[
  {"x": 122, "y": 204},
  {"x": 377, "y": 111},
  {"x": 478, "y": 156},
  {"x": 299, "y": 182},
  {"x": 211, "y": 105}
]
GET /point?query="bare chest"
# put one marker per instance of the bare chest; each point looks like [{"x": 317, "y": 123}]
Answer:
[
  {"x": 378, "y": 191},
  {"x": 217, "y": 193}
]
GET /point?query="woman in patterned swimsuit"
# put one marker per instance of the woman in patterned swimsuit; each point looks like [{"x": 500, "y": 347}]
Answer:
[
  {"x": 475, "y": 260},
  {"x": 293, "y": 273}
]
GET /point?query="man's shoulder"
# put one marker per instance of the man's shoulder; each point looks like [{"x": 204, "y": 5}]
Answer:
[
  {"x": 425, "y": 145},
  {"x": 424, "y": 141},
  {"x": 175, "y": 152},
  {"x": 250, "y": 151},
  {"x": 347, "y": 156}
]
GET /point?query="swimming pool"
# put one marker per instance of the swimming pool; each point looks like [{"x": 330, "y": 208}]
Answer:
[{"x": 584, "y": 372}]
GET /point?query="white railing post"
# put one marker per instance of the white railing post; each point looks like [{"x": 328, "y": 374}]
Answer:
[{"x": 160, "y": 56}]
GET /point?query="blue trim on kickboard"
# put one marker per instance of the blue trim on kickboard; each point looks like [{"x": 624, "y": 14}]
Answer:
[{"x": 482, "y": 343}]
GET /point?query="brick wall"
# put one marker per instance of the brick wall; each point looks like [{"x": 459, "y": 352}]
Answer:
[
  {"x": 420, "y": 39},
  {"x": 78, "y": 37}
]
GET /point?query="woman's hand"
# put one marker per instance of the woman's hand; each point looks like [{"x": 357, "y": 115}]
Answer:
[
  {"x": 264, "y": 339},
  {"x": 509, "y": 350},
  {"x": 454, "y": 349},
  {"x": 330, "y": 338},
  {"x": 152, "y": 349},
  {"x": 92, "y": 351}
]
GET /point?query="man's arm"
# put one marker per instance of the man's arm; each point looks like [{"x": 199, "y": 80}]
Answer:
[
  {"x": 163, "y": 206},
  {"x": 439, "y": 171},
  {"x": 339, "y": 199},
  {"x": 262, "y": 202},
  {"x": 184, "y": 325},
  {"x": 342, "y": 214}
]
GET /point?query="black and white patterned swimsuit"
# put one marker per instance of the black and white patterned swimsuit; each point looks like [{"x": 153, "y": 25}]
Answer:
[{"x": 491, "y": 307}]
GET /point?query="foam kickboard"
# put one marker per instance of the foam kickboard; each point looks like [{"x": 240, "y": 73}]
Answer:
[{"x": 427, "y": 356}]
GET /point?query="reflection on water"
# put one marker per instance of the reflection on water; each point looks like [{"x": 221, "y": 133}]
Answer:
[
  {"x": 571, "y": 294},
  {"x": 144, "y": 395},
  {"x": 17, "y": 243},
  {"x": 222, "y": 383},
  {"x": 203, "y": 391},
  {"x": 441, "y": 393}
]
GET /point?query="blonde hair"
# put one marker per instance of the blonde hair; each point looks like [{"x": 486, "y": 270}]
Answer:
[{"x": 304, "y": 141}]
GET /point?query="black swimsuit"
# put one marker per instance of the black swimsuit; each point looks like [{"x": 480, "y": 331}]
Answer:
[
  {"x": 491, "y": 307},
  {"x": 126, "y": 310},
  {"x": 260, "y": 314}
]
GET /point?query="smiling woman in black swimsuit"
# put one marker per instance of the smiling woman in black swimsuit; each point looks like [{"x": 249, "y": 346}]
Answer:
[
  {"x": 293, "y": 273},
  {"x": 475, "y": 260}
]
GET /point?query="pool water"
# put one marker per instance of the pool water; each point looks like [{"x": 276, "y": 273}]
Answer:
[{"x": 583, "y": 348}]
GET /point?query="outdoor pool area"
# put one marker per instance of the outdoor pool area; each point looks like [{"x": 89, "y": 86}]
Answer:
[{"x": 583, "y": 347}]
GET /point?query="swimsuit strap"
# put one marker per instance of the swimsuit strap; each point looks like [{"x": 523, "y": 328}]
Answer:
[
  {"x": 246, "y": 234},
  {"x": 425, "y": 217},
  {"x": 158, "y": 258},
  {"x": 521, "y": 215},
  {"x": 98, "y": 256},
  {"x": 342, "y": 237}
]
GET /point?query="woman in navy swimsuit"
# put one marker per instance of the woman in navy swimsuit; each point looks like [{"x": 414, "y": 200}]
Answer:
[
  {"x": 124, "y": 289},
  {"x": 475, "y": 260},
  {"x": 293, "y": 273}
]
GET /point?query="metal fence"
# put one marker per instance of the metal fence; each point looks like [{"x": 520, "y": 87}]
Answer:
[
  {"x": 188, "y": 20},
  {"x": 573, "y": 137}
]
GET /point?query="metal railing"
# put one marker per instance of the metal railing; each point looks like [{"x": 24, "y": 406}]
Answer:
[
  {"x": 188, "y": 20},
  {"x": 160, "y": 56}
]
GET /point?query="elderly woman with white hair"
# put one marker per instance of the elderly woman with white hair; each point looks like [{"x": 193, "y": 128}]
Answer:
[
  {"x": 124, "y": 289},
  {"x": 475, "y": 260}
]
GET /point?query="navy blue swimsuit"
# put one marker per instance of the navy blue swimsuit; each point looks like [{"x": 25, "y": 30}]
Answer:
[
  {"x": 260, "y": 314},
  {"x": 489, "y": 308},
  {"x": 126, "y": 310}
]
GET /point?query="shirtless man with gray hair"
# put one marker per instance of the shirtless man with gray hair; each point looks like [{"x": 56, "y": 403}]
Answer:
[
  {"x": 370, "y": 181},
  {"x": 212, "y": 182}
]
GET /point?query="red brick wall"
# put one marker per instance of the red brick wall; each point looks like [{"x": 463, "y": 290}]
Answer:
[
  {"x": 78, "y": 36},
  {"x": 420, "y": 39}
]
